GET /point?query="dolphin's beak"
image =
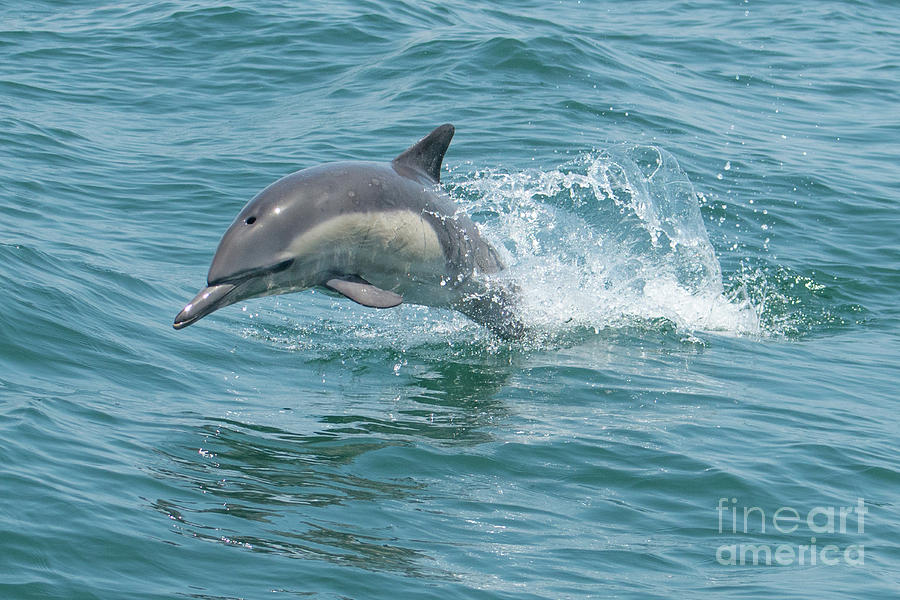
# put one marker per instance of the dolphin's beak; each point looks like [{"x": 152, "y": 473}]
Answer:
[{"x": 207, "y": 301}]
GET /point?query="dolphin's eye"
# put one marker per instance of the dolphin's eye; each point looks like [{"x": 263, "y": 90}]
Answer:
[{"x": 250, "y": 220}]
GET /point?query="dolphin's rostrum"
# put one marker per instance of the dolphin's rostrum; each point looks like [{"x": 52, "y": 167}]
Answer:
[{"x": 379, "y": 234}]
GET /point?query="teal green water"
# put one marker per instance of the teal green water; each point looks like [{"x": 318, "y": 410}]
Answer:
[{"x": 699, "y": 201}]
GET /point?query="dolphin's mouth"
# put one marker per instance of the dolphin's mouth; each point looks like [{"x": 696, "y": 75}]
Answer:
[
  {"x": 208, "y": 300},
  {"x": 222, "y": 292},
  {"x": 241, "y": 276}
]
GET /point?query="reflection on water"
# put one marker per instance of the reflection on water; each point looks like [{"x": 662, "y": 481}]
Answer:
[
  {"x": 444, "y": 402},
  {"x": 328, "y": 494}
]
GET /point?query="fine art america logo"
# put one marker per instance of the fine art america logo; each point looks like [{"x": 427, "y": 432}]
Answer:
[{"x": 818, "y": 525}]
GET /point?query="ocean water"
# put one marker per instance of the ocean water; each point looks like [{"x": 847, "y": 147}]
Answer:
[{"x": 698, "y": 200}]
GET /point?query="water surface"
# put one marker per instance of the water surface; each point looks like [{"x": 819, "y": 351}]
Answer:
[{"x": 698, "y": 200}]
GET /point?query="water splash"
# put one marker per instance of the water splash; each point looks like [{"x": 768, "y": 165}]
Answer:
[{"x": 610, "y": 239}]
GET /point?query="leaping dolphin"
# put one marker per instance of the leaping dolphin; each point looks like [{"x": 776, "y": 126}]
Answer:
[{"x": 379, "y": 234}]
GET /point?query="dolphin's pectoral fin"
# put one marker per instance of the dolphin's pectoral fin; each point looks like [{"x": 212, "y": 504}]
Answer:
[
  {"x": 361, "y": 291},
  {"x": 426, "y": 155}
]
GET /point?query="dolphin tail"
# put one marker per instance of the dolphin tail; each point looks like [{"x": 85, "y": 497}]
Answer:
[{"x": 495, "y": 309}]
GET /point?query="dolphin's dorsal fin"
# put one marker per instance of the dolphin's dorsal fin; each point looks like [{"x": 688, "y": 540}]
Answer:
[
  {"x": 427, "y": 154},
  {"x": 361, "y": 291}
]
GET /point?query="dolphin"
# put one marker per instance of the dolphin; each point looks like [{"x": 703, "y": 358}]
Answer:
[{"x": 379, "y": 234}]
